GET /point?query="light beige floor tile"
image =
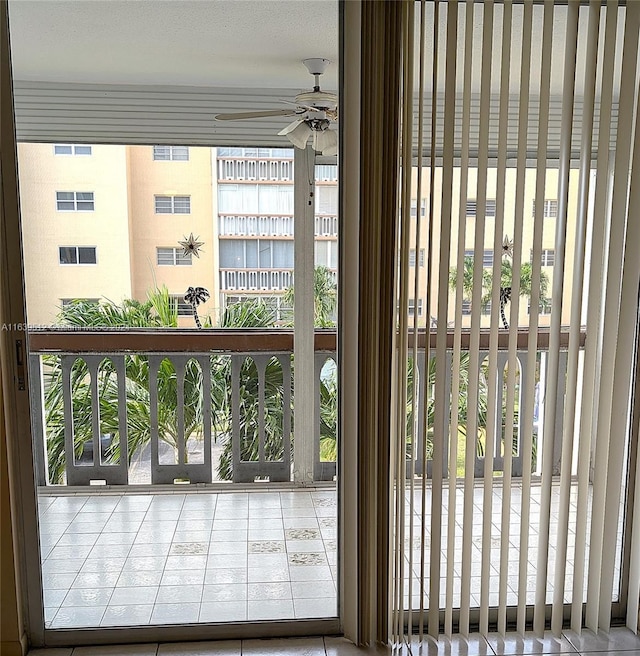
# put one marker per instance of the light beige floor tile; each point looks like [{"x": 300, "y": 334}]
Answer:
[
  {"x": 117, "y": 650},
  {"x": 220, "y": 648},
  {"x": 284, "y": 647}
]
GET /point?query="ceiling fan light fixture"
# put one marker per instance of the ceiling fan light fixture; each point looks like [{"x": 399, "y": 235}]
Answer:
[
  {"x": 326, "y": 142},
  {"x": 300, "y": 135}
]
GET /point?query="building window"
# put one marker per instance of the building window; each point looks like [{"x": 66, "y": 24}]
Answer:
[
  {"x": 77, "y": 254},
  {"x": 173, "y": 204},
  {"x": 547, "y": 257},
  {"x": 256, "y": 254},
  {"x": 172, "y": 257},
  {"x": 255, "y": 199},
  {"x": 550, "y": 208},
  {"x": 543, "y": 308},
  {"x": 74, "y": 201},
  {"x": 182, "y": 307},
  {"x": 326, "y": 253},
  {"x": 466, "y": 307},
  {"x": 414, "y": 207},
  {"x": 277, "y": 304},
  {"x": 171, "y": 153},
  {"x": 490, "y": 208},
  {"x": 73, "y": 301},
  {"x": 412, "y": 305},
  {"x": 71, "y": 149},
  {"x": 412, "y": 257},
  {"x": 487, "y": 257}
]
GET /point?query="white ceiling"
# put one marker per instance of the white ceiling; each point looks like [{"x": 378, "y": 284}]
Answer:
[{"x": 204, "y": 43}]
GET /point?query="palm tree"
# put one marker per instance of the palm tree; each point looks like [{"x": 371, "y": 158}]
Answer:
[
  {"x": 325, "y": 297},
  {"x": 195, "y": 296},
  {"x": 160, "y": 310},
  {"x": 506, "y": 280},
  {"x": 468, "y": 282}
]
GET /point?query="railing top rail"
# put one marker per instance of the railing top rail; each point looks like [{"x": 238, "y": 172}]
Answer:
[
  {"x": 172, "y": 340},
  {"x": 522, "y": 338},
  {"x": 238, "y": 340}
]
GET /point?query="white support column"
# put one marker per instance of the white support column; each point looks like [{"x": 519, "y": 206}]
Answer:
[{"x": 303, "y": 347}]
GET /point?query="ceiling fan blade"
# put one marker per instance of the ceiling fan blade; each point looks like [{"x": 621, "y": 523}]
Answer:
[
  {"x": 291, "y": 127},
  {"x": 265, "y": 114}
]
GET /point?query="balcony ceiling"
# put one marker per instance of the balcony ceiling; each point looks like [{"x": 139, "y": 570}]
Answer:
[
  {"x": 212, "y": 43},
  {"x": 157, "y": 71}
]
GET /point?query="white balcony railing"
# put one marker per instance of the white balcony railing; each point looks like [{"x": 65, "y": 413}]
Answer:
[
  {"x": 326, "y": 225},
  {"x": 95, "y": 382},
  {"x": 272, "y": 170},
  {"x": 103, "y": 400},
  {"x": 245, "y": 225},
  {"x": 255, "y": 279},
  {"x": 234, "y": 225}
]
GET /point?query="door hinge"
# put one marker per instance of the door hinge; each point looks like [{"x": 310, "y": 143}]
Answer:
[{"x": 20, "y": 365}]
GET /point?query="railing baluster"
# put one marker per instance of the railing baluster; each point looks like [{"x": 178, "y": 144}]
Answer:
[{"x": 36, "y": 391}]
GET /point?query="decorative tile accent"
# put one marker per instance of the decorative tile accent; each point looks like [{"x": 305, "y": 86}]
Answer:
[
  {"x": 331, "y": 545},
  {"x": 307, "y": 559},
  {"x": 324, "y": 501},
  {"x": 327, "y": 522},
  {"x": 184, "y": 548},
  {"x": 302, "y": 534},
  {"x": 266, "y": 546}
]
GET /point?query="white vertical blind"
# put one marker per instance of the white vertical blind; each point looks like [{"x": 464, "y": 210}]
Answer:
[{"x": 507, "y": 474}]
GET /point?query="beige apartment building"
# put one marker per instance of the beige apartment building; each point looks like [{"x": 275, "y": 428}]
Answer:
[
  {"x": 468, "y": 219},
  {"x": 106, "y": 222}
]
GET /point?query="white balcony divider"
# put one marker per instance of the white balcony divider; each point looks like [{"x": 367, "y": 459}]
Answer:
[{"x": 563, "y": 78}]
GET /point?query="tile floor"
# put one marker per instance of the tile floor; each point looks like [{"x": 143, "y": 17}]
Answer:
[
  {"x": 122, "y": 559},
  {"x": 617, "y": 642},
  {"x": 118, "y": 560}
]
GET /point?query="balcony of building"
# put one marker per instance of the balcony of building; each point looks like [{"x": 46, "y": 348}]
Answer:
[{"x": 198, "y": 515}]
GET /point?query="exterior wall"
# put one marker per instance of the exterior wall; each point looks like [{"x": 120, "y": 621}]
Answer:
[
  {"x": 126, "y": 230},
  {"x": 148, "y": 178},
  {"x": 44, "y": 228},
  {"x": 548, "y": 236}
]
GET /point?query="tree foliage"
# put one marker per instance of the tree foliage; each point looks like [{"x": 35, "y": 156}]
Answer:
[{"x": 160, "y": 311}]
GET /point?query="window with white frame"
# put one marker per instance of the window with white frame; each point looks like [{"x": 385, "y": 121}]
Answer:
[
  {"x": 75, "y": 201},
  {"x": 66, "y": 302},
  {"x": 490, "y": 207},
  {"x": 550, "y": 208},
  {"x": 466, "y": 307},
  {"x": 256, "y": 254},
  {"x": 255, "y": 199},
  {"x": 543, "y": 308},
  {"x": 414, "y": 207},
  {"x": 412, "y": 257},
  {"x": 77, "y": 254},
  {"x": 487, "y": 257},
  {"x": 171, "y": 153},
  {"x": 412, "y": 305},
  {"x": 172, "y": 257},
  {"x": 547, "y": 257},
  {"x": 173, "y": 204},
  {"x": 326, "y": 253},
  {"x": 182, "y": 307},
  {"x": 71, "y": 149},
  {"x": 282, "y": 311}
]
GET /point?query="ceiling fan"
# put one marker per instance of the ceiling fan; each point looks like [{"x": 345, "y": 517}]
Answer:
[{"x": 314, "y": 111}]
